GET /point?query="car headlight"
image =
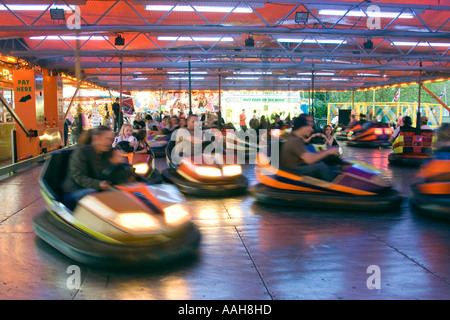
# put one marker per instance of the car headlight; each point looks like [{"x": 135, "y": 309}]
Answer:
[
  {"x": 175, "y": 214},
  {"x": 232, "y": 170},
  {"x": 208, "y": 171},
  {"x": 136, "y": 221},
  {"x": 141, "y": 168}
]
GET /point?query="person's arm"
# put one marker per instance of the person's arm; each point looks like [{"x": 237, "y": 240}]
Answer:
[
  {"x": 117, "y": 139},
  {"x": 79, "y": 168},
  {"x": 394, "y": 134},
  {"x": 145, "y": 148},
  {"x": 311, "y": 158},
  {"x": 329, "y": 141},
  {"x": 133, "y": 142},
  {"x": 307, "y": 140}
]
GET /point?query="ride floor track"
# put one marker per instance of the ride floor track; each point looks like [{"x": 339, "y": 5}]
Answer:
[{"x": 247, "y": 251}]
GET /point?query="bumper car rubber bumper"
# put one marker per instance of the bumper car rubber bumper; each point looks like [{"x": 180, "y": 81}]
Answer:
[
  {"x": 387, "y": 201},
  {"x": 90, "y": 251},
  {"x": 235, "y": 187},
  {"x": 406, "y": 160},
  {"x": 368, "y": 144},
  {"x": 437, "y": 206}
]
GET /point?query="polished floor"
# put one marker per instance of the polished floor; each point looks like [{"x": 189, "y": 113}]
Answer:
[{"x": 248, "y": 251}]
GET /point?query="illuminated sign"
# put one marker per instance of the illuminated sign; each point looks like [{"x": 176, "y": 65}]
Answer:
[{"x": 6, "y": 75}]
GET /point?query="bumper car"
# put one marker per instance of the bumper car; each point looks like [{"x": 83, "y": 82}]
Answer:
[
  {"x": 356, "y": 187},
  {"x": 342, "y": 134},
  {"x": 130, "y": 225},
  {"x": 205, "y": 175},
  {"x": 158, "y": 142},
  {"x": 431, "y": 195},
  {"x": 412, "y": 149},
  {"x": 371, "y": 135},
  {"x": 142, "y": 163}
]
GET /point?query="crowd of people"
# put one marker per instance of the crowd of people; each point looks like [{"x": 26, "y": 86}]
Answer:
[{"x": 98, "y": 146}]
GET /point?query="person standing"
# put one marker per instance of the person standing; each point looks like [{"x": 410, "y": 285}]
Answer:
[
  {"x": 67, "y": 124},
  {"x": 116, "y": 114},
  {"x": 242, "y": 118}
]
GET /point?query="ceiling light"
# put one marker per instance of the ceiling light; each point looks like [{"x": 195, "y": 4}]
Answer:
[
  {"x": 421, "y": 44},
  {"x": 242, "y": 78},
  {"x": 186, "y": 78},
  {"x": 185, "y": 72},
  {"x": 317, "y": 73},
  {"x": 294, "y": 79},
  {"x": 252, "y": 72},
  {"x": 360, "y": 13},
  {"x": 368, "y": 75},
  {"x": 211, "y": 39},
  {"x": 322, "y": 41},
  {"x": 34, "y": 7},
  {"x": 301, "y": 17},
  {"x": 198, "y": 8},
  {"x": 57, "y": 14},
  {"x": 69, "y": 38}
]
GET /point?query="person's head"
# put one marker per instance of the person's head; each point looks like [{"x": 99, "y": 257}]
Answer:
[
  {"x": 117, "y": 156},
  {"x": 243, "y": 110},
  {"x": 174, "y": 121},
  {"x": 443, "y": 135},
  {"x": 423, "y": 120},
  {"x": 301, "y": 127},
  {"x": 141, "y": 135},
  {"x": 327, "y": 130},
  {"x": 148, "y": 118},
  {"x": 308, "y": 118},
  {"x": 192, "y": 119},
  {"x": 117, "y": 100},
  {"x": 182, "y": 122},
  {"x": 138, "y": 117},
  {"x": 101, "y": 138},
  {"x": 126, "y": 130},
  {"x": 407, "y": 121},
  {"x": 166, "y": 120}
]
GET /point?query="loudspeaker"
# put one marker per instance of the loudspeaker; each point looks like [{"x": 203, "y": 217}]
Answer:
[
  {"x": 344, "y": 117},
  {"x": 119, "y": 41}
]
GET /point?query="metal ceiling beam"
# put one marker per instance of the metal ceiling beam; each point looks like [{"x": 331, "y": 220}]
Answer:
[
  {"x": 214, "y": 29},
  {"x": 312, "y": 3},
  {"x": 52, "y": 54},
  {"x": 247, "y": 65}
]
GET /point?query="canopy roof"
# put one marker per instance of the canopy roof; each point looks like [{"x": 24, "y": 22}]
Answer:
[{"x": 163, "y": 38}]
